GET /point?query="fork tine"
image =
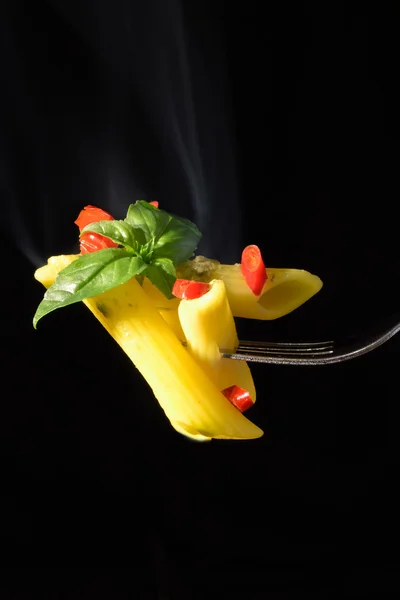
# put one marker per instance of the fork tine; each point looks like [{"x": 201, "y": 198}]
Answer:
[
  {"x": 257, "y": 351},
  {"x": 324, "y": 357},
  {"x": 250, "y": 343},
  {"x": 281, "y": 357},
  {"x": 317, "y": 353},
  {"x": 284, "y": 351},
  {"x": 260, "y": 347}
]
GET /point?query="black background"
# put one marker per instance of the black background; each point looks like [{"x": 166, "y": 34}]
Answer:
[{"x": 276, "y": 125}]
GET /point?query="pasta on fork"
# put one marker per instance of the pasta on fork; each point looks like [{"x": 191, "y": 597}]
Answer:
[{"x": 172, "y": 314}]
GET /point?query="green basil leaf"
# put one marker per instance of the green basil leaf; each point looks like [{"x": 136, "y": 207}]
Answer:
[
  {"x": 178, "y": 241},
  {"x": 147, "y": 221},
  {"x": 153, "y": 241},
  {"x": 162, "y": 274},
  {"x": 89, "y": 275},
  {"x": 119, "y": 232},
  {"x": 173, "y": 237}
]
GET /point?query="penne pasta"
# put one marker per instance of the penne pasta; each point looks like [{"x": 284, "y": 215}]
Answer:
[
  {"x": 284, "y": 291},
  {"x": 208, "y": 324},
  {"x": 172, "y": 316},
  {"x": 189, "y": 398},
  {"x": 209, "y": 327},
  {"x": 168, "y": 308}
]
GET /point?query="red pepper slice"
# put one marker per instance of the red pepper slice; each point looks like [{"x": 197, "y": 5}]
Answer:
[
  {"x": 239, "y": 397},
  {"x": 91, "y": 242},
  {"x": 91, "y": 214},
  {"x": 154, "y": 203},
  {"x": 253, "y": 269},
  {"x": 187, "y": 289}
]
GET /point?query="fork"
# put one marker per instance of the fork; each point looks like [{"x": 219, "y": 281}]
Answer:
[{"x": 317, "y": 353}]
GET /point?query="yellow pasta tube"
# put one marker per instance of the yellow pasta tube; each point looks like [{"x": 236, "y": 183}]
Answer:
[
  {"x": 46, "y": 275},
  {"x": 187, "y": 395},
  {"x": 208, "y": 324},
  {"x": 284, "y": 291},
  {"x": 235, "y": 372},
  {"x": 157, "y": 298},
  {"x": 209, "y": 327},
  {"x": 168, "y": 308}
]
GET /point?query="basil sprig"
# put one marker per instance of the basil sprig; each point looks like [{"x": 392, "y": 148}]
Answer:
[{"x": 151, "y": 242}]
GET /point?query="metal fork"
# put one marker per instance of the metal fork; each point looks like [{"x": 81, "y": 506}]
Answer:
[{"x": 317, "y": 353}]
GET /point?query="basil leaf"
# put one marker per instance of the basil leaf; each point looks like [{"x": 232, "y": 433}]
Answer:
[
  {"x": 162, "y": 274},
  {"x": 174, "y": 237},
  {"x": 147, "y": 221},
  {"x": 119, "y": 232},
  {"x": 89, "y": 275},
  {"x": 178, "y": 241},
  {"x": 153, "y": 241}
]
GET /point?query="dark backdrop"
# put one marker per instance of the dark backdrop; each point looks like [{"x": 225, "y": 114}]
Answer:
[{"x": 275, "y": 124}]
